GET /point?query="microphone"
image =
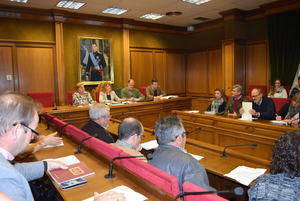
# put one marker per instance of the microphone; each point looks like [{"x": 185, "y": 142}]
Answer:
[
  {"x": 81, "y": 142},
  {"x": 236, "y": 191},
  {"x": 192, "y": 131},
  {"x": 110, "y": 174},
  {"x": 224, "y": 154},
  {"x": 61, "y": 129}
]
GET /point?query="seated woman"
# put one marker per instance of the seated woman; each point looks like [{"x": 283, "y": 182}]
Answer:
[
  {"x": 278, "y": 91},
  {"x": 283, "y": 183},
  {"x": 81, "y": 97},
  {"x": 218, "y": 104},
  {"x": 108, "y": 95},
  {"x": 291, "y": 111}
]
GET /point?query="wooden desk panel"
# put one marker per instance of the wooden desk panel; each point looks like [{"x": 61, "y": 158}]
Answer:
[
  {"x": 97, "y": 182},
  {"x": 146, "y": 112},
  {"x": 224, "y": 131}
]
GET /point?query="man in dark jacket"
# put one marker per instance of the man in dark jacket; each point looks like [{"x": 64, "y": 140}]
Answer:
[
  {"x": 171, "y": 156},
  {"x": 98, "y": 123},
  {"x": 263, "y": 107}
]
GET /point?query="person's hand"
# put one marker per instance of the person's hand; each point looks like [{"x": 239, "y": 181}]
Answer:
[
  {"x": 141, "y": 98},
  {"x": 242, "y": 111},
  {"x": 52, "y": 165},
  {"x": 51, "y": 139},
  {"x": 109, "y": 196},
  {"x": 85, "y": 103},
  {"x": 131, "y": 99},
  {"x": 139, "y": 148},
  {"x": 253, "y": 112},
  {"x": 278, "y": 118},
  {"x": 234, "y": 115}
]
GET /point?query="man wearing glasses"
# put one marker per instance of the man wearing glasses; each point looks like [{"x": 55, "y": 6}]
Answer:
[
  {"x": 263, "y": 107},
  {"x": 171, "y": 155},
  {"x": 18, "y": 119}
]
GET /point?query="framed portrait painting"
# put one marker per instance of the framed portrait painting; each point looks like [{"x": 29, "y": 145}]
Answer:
[{"x": 95, "y": 60}]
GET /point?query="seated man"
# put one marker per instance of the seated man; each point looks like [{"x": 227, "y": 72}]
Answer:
[
  {"x": 263, "y": 107},
  {"x": 154, "y": 91},
  {"x": 234, "y": 103},
  {"x": 130, "y": 93},
  {"x": 292, "y": 116},
  {"x": 98, "y": 123},
  {"x": 171, "y": 156},
  {"x": 19, "y": 118},
  {"x": 130, "y": 133}
]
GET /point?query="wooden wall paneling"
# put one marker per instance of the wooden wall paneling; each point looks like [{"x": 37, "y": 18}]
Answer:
[
  {"x": 239, "y": 64},
  {"x": 197, "y": 73},
  {"x": 175, "y": 79},
  {"x": 7, "y": 67},
  {"x": 257, "y": 64},
  {"x": 126, "y": 55},
  {"x": 35, "y": 68},
  {"x": 159, "y": 57},
  {"x": 141, "y": 67},
  {"x": 215, "y": 73}
]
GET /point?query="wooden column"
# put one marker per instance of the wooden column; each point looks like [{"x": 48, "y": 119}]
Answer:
[
  {"x": 60, "y": 66},
  {"x": 126, "y": 57},
  {"x": 233, "y": 63}
]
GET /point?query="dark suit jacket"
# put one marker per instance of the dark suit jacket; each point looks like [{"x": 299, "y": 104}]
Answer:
[
  {"x": 266, "y": 108},
  {"x": 93, "y": 128}
]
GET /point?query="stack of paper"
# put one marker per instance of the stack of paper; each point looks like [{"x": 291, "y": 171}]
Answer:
[
  {"x": 197, "y": 157},
  {"x": 193, "y": 111},
  {"x": 278, "y": 122},
  {"x": 50, "y": 146},
  {"x": 169, "y": 97},
  {"x": 152, "y": 144},
  {"x": 129, "y": 194},
  {"x": 68, "y": 160},
  {"x": 245, "y": 175},
  {"x": 246, "y": 107}
]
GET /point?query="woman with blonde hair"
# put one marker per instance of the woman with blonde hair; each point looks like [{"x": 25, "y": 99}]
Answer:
[
  {"x": 81, "y": 97},
  {"x": 108, "y": 95}
]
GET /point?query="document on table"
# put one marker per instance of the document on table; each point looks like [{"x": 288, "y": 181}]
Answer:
[
  {"x": 129, "y": 194},
  {"x": 246, "y": 107},
  {"x": 197, "y": 157},
  {"x": 192, "y": 111},
  {"x": 245, "y": 175},
  {"x": 279, "y": 122},
  {"x": 51, "y": 146},
  {"x": 68, "y": 160},
  {"x": 152, "y": 144}
]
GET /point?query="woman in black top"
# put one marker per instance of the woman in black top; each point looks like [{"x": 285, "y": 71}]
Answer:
[{"x": 218, "y": 103}]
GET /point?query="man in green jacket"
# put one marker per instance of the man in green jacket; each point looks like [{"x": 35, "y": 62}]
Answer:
[{"x": 131, "y": 93}]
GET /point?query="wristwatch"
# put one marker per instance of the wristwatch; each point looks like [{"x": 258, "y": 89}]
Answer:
[{"x": 258, "y": 114}]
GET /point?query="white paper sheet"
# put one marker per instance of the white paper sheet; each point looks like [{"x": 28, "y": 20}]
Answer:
[
  {"x": 192, "y": 111},
  {"x": 245, "y": 175},
  {"x": 169, "y": 97},
  {"x": 278, "y": 122},
  {"x": 129, "y": 194},
  {"x": 51, "y": 146},
  {"x": 152, "y": 144},
  {"x": 246, "y": 107},
  {"x": 197, "y": 157},
  {"x": 68, "y": 160}
]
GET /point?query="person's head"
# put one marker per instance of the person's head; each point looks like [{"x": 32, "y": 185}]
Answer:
[
  {"x": 296, "y": 100},
  {"x": 236, "y": 90},
  {"x": 130, "y": 83},
  {"x": 170, "y": 131},
  {"x": 277, "y": 83},
  {"x": 107, "y": 87},
  {"x": 219, "y": 93},
  {"x": 256, "y": 95},
  {"x": 286, "y": 155},
  {"x": 131, "y": 130},
  {"x": 99, "y": 113},
  {"x": 154, "y": 83},
  {"x": 80, "y": 88},
  {"x": 18, "y": 115},
  {"x": 95, "y": 47}
]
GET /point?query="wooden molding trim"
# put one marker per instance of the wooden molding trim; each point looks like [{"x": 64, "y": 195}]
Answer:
[{"x": 27, "y": 42}]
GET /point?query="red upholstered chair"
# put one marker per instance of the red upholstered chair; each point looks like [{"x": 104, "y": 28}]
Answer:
[
  {"x": 279, "y": 102},
  {"x": 262, "y": 87},
  {"x": 287, "y": 88},
  {"x": 189, "y": 187},
  {"x": 69, "y": 95},
  {"x": 103, "y": 148},
  {"x": 143, "y": 90},
  {"x": 159, "y": 178},
  {"x": 75, "y": 133},
  {"x": 45, "y": 98}
]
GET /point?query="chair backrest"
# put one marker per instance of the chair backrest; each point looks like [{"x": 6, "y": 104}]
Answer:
[
  {"x": 262, "y": 87},
  {"x": 154, "y": 175},
  {"x": 45, "y": 98},
  {"x": 143, "y": 90},
  {"x": 279, "y": 102},
  {"x": 287, "y": 88},
  {"x": 70, "y": 97},
  {"x": 189, "y": 187}
]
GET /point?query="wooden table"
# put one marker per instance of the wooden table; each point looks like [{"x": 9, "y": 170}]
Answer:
[
  {"x": 97, "y": 182},
  {"x": 146, "y": 112}
]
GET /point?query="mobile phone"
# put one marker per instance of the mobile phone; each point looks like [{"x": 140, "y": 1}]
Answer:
[{"x": 72, "y": 183}]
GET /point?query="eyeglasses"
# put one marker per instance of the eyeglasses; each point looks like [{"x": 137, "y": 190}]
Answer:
[{"x": 32, "y": 130}]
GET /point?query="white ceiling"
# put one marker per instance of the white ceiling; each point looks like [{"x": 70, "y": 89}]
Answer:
[{"x": 138, "y": 8}]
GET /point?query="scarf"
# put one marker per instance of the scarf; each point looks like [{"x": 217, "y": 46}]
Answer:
[{"x": 216, "y": 104}]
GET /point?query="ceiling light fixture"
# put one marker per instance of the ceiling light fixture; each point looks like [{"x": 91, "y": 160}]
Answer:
[
  {"x": 20, "y": 1},
  {"x": 70, "y": 4},
  {"x": 152, "y": 16},
  {"x": 197, "y": 2},
  {"x": 114, "y": 11}
]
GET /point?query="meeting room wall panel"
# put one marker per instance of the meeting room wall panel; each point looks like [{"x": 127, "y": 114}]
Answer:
[{"x": 6, "y": 67}]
